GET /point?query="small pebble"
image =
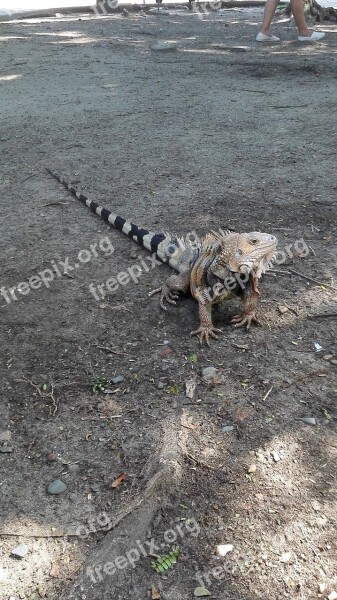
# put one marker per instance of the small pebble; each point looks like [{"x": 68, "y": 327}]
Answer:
[
  {"x": 6, "y": 449},
  {"x": 327, "y": 356},
  {"x": 227, "y": 428},
  {"x": 223, "y": 549},
  {"x": 333, "y": 595},
  {"x": 6, "y": 436},
  {"x": 309, "y": 420},
  {"x": 211, "y": 375},
  {"x": 282, "y": 309},
  {"x": 20, "y": 551},
  {"x": 160, "y": 385},
  {"x": 333, "y": 362},
  {"x": 51, "y": 457},
  {"x": 316, "y": 506},
  {"x": 276, "y": 456},
  {"x": 57, "y": 487},
  {"x": 117, "y": 379},
  {"x": 285, "y": 557},
  {"x": 321, "y": 588},
  {"x": 201, "y": 592},
  {"x": 208, "y": 372},
  {"x": 251, "y": 469}
]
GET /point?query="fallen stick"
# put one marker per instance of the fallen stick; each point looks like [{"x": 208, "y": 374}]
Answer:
[
  {"x": 267, "y": 394},
  {"x": 323, "y": 316},
  {"x": 312, "y": 280},
  {"x": 293, "y": 272}
]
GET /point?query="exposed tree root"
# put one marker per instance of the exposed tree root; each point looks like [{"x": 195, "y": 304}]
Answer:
[{"x": 126, "y": 544}]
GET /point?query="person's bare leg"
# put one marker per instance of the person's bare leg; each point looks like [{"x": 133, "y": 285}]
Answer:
[
  {"x": 297, "y": 9},
  {"x": 269, "y": 11}
]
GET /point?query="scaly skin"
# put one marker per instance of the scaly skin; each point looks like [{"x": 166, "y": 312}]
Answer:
[
  {"x": 229, "y": 265},
  {"x": 212, "y": 270},
  {"x": 169, "y": 291},
  {"x": 249, "y": 302}
]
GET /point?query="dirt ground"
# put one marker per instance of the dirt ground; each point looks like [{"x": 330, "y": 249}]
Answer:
[{"x": 220, "y": 132}]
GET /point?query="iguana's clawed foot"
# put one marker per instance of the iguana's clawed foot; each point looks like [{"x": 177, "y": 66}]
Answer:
[
  {"x": 204, "y": 332},
  {"x": 165, "y": 295},
  {"x": 245, "y": 319}
]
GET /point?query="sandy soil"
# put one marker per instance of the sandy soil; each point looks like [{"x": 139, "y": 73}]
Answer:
[{"x": 221, "y": 132}]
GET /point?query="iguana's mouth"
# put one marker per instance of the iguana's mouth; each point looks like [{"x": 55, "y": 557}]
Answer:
[
  {"x": 265, "y": 264},
  {"x": 258, "y": 267}
]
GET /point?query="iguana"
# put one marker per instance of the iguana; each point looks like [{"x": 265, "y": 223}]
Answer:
[{"x": 218, "y": 267}]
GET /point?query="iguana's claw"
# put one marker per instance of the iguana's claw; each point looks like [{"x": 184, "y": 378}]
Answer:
[
  {"x": 205, "y": 332},
  {"x": 245, "y": 319},
  {"x": 165, "y": 294}
]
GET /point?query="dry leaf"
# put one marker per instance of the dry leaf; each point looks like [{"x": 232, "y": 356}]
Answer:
[
  {"x": 165, "y": 351},
  {"x": 116, "y": 482},
  {"x": 201, "y": 592},
  {"x": 243, "y": 413},
  {"x": 155, "y": 595}
]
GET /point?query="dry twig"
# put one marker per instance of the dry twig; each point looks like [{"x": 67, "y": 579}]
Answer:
[
  {"x": 108, "y": 349},
  {"x": 323, "y": 316},
  {"x": 267, "y": 394},
  {"x": 293, "y": 272},
  {"x": 40, "y": 392},
  {"x": 56, "y": 203}
]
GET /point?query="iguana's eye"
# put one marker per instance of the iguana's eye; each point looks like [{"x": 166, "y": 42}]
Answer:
[{"x": 254, "y": 241}]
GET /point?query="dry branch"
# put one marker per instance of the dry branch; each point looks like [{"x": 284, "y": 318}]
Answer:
[{"x": 131, "y": 524}]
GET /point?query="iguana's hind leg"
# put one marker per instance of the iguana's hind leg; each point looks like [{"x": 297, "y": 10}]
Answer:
[{"x": 169, "y": 291}]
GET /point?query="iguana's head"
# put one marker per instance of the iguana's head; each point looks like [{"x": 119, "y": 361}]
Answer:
[{"x": 246, "y": 252}]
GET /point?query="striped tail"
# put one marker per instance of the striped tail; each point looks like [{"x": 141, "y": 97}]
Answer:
[
  {"x": 150, "y": 240},
  {"x": 179, "y": 253}
]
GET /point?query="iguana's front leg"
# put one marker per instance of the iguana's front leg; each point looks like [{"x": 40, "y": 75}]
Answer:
[
  {"x": 249, "y": 301},
  {"x": 169, "y": 291},
  {"x": 206, "y": 328}
]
